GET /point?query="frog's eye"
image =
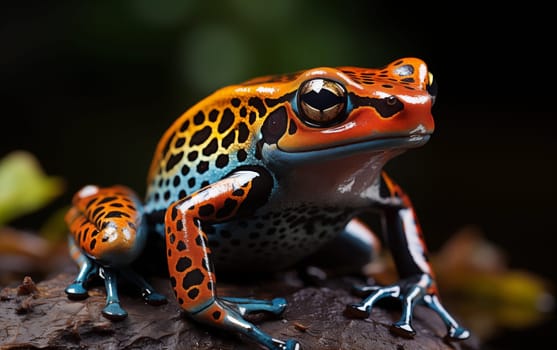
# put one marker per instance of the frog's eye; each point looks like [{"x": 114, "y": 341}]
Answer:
[{"x": 322, "y": 102}]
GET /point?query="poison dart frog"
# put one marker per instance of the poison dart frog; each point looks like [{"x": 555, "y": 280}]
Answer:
[{"x": 260, "y": 175}]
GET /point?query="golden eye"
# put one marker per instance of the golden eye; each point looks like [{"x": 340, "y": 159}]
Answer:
[{"x": 322, "y": 102}]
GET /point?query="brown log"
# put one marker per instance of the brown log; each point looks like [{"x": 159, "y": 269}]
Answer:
[{"x": 41, "y": 316}]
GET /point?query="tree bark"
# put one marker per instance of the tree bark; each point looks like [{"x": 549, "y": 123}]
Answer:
[{"x": 42, "y": 317}]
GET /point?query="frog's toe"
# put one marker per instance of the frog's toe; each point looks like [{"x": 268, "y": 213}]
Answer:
[
  {"x": 290, "y": 344},
  {"x": 357, "y": 311},
  {"x": 458, "y": 333},
  {"x": 114, "y": 312},
  {"x": 278, "y": 305},
  {"x": 403, "y": 329},
  {"x": 154, "y": 299},
  {"x": 76, "y": 291}
]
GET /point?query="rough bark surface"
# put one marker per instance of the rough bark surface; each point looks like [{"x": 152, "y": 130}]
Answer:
[{"x": 41, "y": 316}]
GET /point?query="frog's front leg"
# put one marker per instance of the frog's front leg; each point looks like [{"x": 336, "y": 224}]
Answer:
[
  {"x": 107, "y": 233},
  {"x": 417, "y": 284},
  {"x": 189, "y": 257}
]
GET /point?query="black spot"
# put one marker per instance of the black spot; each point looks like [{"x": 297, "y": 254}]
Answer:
[
  {"x": 243, "y": 132},
  {"x": 242, "y": 155},
  {"x": 228, "y": 207},
  {"x": 193, "y": 278},
  {"x": 200, "y": 136},
  {"x": 174, "y": 159},
  {"x": 172, "y": 238},
  {"x": 185, "y": 170},
  {"x": 94, "y": 233},
  {"x": 388, "y": 86},
  {"x": 116, "y": 205},
  {"x": 206, "y": 210},
  {"x": 193, "y": 293},
  {"x": 173, "y": 213},
  {"x": 243, "y": 112},
  {"x": 235, "y": 102},
  {"x": 116, "y": 214},
  {"x": 169, "y": 252},
  {"x": 216, "y": 315},
  {"x": 271, "y": 102},
  {"x": 179, "y": 225},
  {"x": 199, "y": 241},
  {"x": 91, "y": 202},
  {"x": 185, "y": 126},
  {"x": 386, "y": 107},
  {"x": 211, "y": 147},
  {"x": 202, "y": 167},
  {"x": 252, "y": 117},
  {"x": 176, "y": 181},
  {"x": 166, "y": 195},
  {"x": 180, "y": 300},
  {"x": 239, "y": 192},
  {"x": 192, "y": 156},
  {"x": 167, "y": 144},
  {"x": 210, "y": 285},
  {"x": 93, "y": 243},
  {"x": 173, "y": 282},
  {"x": 199, "y": 118},
  {"x": 181, "y": 246},
  {"x": 183, "y": 264},
  {"x": 254, "y": 235},
  {"x": 213, "y": 115},
  {"x": 205, "y": 183},
  {"x": 182, "y": 194},
  {"x": 107, "y": 199},
  {"x": 180, "y": 142},
  {"x": 226, "y": 121},
  {"x": 229, "y": 139},
  {"x": 97, "y": 212},
  {"x": 222, "y": 161},
  {"x": 292, "y": 128},
  {"x": 191, "y": 181},
  {"x": 274, "y": 126},
  {"x": 258, "y": 104}
]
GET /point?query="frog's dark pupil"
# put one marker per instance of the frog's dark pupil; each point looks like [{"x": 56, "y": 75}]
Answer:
[{"x": 321, "y": 100}]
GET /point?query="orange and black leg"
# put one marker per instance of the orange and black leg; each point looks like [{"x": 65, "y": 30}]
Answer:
[
  {"x": 106, "y": 234},
  {"x": 417, "y": 283},
  {"x": 189, "y": 256}
]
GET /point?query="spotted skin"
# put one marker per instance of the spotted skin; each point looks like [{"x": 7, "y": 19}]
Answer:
[{"x": 266, "y": 172}]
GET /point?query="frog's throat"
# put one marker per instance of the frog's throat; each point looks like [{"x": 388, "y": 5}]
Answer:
[{"x": 272, "y": 154}]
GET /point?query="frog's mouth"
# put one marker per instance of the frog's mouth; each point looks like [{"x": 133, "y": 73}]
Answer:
[{"x": 273, "y": 154}]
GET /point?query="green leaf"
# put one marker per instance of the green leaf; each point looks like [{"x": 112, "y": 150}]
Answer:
[{"x": 24, "y": 187}]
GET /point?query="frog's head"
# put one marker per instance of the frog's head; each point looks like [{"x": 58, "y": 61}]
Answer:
[{"x": 337, "y": 111}]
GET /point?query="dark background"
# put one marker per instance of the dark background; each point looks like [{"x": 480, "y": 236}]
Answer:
[{"x": 89, "y": 87}]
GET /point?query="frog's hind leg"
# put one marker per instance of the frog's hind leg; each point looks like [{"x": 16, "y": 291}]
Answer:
[
  {"x": 189, "y": 257},
  {"x": 107, "y": 234}
]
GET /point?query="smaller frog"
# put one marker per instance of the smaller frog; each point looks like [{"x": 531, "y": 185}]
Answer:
[{"x": 259, "y": 176}]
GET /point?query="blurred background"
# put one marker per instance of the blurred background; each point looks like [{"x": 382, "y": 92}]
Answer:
[{"x": 87, "y": 89}]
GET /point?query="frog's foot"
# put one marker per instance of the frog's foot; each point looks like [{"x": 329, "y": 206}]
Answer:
[
  {"x": 77, "y": 290},
  {"x": 454, "y": 330},
  {"x": 113, "y": 311},
  {"x": 247, "y": 306},
  {"x": 227, "y": 313},
  {"x": 410, "y": 291}
]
